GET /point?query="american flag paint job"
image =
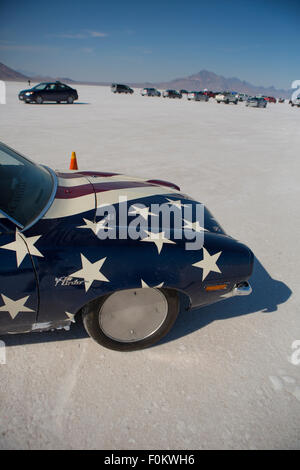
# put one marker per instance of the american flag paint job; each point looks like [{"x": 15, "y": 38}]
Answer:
[{"x": 51, "y": 270}]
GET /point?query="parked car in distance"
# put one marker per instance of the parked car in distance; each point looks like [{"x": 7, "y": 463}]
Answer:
[
  {"x": 49, "y": 91},
  {"x": 226, "y": 97},
  {"x": 242, "y": 96},
  {"x": 197, "y": 96},
  {"x": 281, "y": 100},
  {"x": 256, "y": 102},
  {"x": 56, "y": 267},
  {"x": 295, "y": 102},
  {"x": 118, "y": 88},
  {"x": 150, "y": 92},
  {"x": 210, "y": 94},
  {"x": 172, "y": 94},
  {"x": 270, "y": 99}
]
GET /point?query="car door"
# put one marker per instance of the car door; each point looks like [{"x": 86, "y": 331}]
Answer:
[
  {"x": 18, "y": 285},
  {"x": 62, "y": 92},
  {"x": 50, "y": 93}
]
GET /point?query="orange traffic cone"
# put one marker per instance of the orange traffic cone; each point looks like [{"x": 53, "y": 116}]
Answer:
[{"x": 73, "y": 163}]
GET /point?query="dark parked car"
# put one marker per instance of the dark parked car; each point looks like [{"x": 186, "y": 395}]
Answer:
[
  {"x": 56, "y": 265},
  {"x": 49, "y": 91},
  {"x": 118, "y": 88},
  {"x": 184, "y": 92},
  {"x": 172, "y": 94},
  {"x": 256, "y": 102},
  {"x": 150, "y": 92},
  {"x": 197, "y": 96}
]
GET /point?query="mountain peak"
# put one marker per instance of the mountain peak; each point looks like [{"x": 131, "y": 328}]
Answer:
[{"x": 6, "y": 73}]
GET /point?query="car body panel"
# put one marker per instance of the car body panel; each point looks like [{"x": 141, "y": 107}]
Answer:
[
  {"x": 68, "y": 263},
  {"x": 16, "y": 269}
]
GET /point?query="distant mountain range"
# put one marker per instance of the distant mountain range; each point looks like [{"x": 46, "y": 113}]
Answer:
[
  {"x": 9, "y": 74},
  {"x": 6, "y": 73},
  {"x": 214, "y": 82},
  {"x": 198, "y": 81}
]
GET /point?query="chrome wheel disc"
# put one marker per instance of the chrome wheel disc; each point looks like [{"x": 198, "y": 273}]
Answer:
[{"x": 133, "y": 314}]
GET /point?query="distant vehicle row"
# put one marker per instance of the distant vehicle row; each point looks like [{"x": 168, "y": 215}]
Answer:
[
  {"x": 60, "y": 92},
  {"x": 221, "y": 97}
]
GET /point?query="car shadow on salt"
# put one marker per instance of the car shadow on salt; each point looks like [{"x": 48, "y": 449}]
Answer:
[{"x": 267, "y": 294}]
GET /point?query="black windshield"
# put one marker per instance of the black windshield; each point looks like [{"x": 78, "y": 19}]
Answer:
[{"x": 25, "y": 188}]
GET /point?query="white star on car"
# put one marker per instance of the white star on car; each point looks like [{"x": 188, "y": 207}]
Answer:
[
  {"x": 19, "y": 246},
  {"x": 14, "y": 307},
  {"x": 89, "y": 224},
  {"x": 70, "y": 316},
  {"x": 194, "y": 226},
  {"x": 96, "y": 226},
  {"x": 102, "y": 224},
  {"x": 208, "y": 263},
  {"x": 142, "y": 211},
  {"x": 90, "y": 272},
  {"x": 158, "y": 238},
  {"x": 176, "y": 203},
  {"x": 145, "y": 285}
]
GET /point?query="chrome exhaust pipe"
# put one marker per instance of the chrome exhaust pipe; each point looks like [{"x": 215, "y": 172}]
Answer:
[{"x": 242, "y": 288}]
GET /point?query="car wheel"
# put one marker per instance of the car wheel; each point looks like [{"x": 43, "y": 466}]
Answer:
[
  {"x": 39, "y": 100},
  {"x": 131, "y": 319},
  {"x": 58, "y": 102},
  {"x": 70, "y": 100}
]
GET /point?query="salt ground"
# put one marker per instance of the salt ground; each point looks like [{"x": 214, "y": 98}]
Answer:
[{"x": 224, "y": 377}]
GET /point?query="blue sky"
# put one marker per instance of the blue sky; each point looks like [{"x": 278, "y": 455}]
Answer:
[{"x": 127, "y": 41}]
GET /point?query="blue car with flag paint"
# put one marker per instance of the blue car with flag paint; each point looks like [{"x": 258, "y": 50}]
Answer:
[{"x": 97, "y": 245}]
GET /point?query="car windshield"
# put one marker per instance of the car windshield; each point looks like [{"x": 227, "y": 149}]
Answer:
[
  {"x": 25, "y": 187},
  {"x": 41, "y": 86}
]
